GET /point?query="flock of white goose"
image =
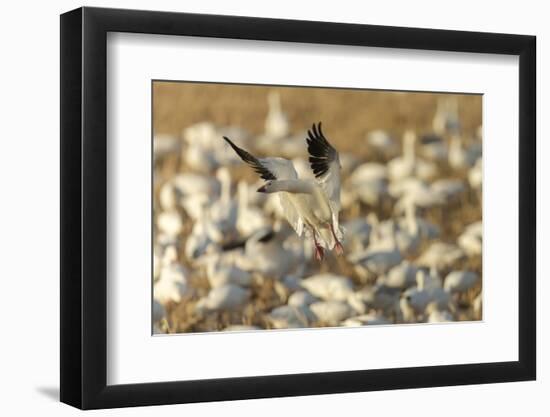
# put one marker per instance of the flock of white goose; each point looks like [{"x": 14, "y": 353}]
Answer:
[{"x": 227, "y": 257}]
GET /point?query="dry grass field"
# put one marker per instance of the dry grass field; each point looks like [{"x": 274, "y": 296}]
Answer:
[{"x": 348, "y": 116}]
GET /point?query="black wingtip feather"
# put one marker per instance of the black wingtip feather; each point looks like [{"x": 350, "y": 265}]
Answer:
[
  {"x": 320, "y": 150},
  {"x": 252, "y": 161}
]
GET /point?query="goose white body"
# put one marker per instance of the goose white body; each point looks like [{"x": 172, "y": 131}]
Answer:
[{"x": 310, "y": 206}]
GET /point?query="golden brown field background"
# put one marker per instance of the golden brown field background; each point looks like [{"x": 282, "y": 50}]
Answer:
[
  {"x": 347, "y": 117},
  {"x": 346, "y": 114}
]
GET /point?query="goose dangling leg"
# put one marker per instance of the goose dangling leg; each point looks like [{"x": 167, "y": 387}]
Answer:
[
  {"x": 337, "y": 246},
  {"x": 319, "y": 250}
]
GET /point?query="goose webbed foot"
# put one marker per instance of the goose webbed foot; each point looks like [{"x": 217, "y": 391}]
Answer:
[
  {"x": 319, "y": 252},
  {"x": 339, "y": 248}
]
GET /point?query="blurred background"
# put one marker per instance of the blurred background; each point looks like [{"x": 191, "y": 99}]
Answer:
[{"x": 225, "y": 258}]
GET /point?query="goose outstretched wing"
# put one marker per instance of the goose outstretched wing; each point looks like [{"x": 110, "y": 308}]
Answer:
[
  {"x": 325, "y": 164},
  {"x": 275, "y": 169}
]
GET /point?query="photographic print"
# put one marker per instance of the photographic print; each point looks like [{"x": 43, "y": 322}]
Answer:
[{"x": 278, "y": 207}]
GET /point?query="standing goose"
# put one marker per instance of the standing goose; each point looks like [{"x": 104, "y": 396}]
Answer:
[{"x": 310, "y": 206}]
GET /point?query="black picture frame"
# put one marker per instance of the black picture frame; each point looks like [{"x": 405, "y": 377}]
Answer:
[{"x": 84, "y": 207}]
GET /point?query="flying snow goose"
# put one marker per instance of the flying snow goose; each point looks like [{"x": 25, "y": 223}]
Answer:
[{"x": 310, "y": 206}]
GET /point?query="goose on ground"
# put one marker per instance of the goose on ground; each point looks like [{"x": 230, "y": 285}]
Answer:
[
  {"x": 475, "y": 175},
  {"x": 290, "y": 317},
  {"x": 349, "y": 162},
  {"x": 415, "y": 225},
  {"x": 204, "y": 134},
  {"x": 265, "y": 253},
  {"x": 170, "y": 222},
  {"x": 164, "y": 145},
  {"x": 438, "y": 315},
  {"x": 404, "y": 231},
  {"x": 409, "y": 165},
  {"x": 249, "y": 218},
  {"x": 192, "y": 183},
  {"x": 172, "y": 284},
  {"x": 380, "y": 256},
  {"x": 329, "y": 286},
  {"x": 460, "y": 281},
  {"x": 407, "y": 233},
  {"x": 223, "y": 212},
  {"x": 203, "y": 151},
  {"x": 199, "y": 159},
  {"x": 460, "y": 157},
  {"x": 440, "y": 255},
  {"x": 367, "y": 172},
  {"x": 159, "y": 312},
  {"x": 310, "y": 206},
  {"x": 420, "y": 195},
  {"x": 301, "y": 298},
  {"x": 433, "y": 148},
  {"x": 276, "y": 123},
  {"x": 199, "y": 241},
  {"x": 449, "y": 189},
  {"x": 383, "y": 142},
  {"x": 446, "y": 117},
  {"x": 358, "y": 234},
  {"x": 371, "y": 319},
  {"x": 471, "y": 240},
  {"x": 331, "y": 312},
  {"x": 428, "y": 290},
  {"x": 220, "y": 273},
  {"x": 293, "y": 282},
  {"x": 169, "y": 255},
  {"x": 379, "y": 297},
  {"x": 415, "y": 299},
  {"x": 368, "y": 183},
  {"x": 240, "y": 328},
  {"x": 477, "y": 306},
  {"x": 187, "y": 186},
  {"x": 400, "y": 276},
  {"x": 228, "y": 297}
]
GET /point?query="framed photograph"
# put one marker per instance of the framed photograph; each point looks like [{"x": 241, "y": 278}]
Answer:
[{"x": 257, "y": 207}]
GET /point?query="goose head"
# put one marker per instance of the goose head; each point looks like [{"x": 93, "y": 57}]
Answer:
[{"x": 266, "y": 188}]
